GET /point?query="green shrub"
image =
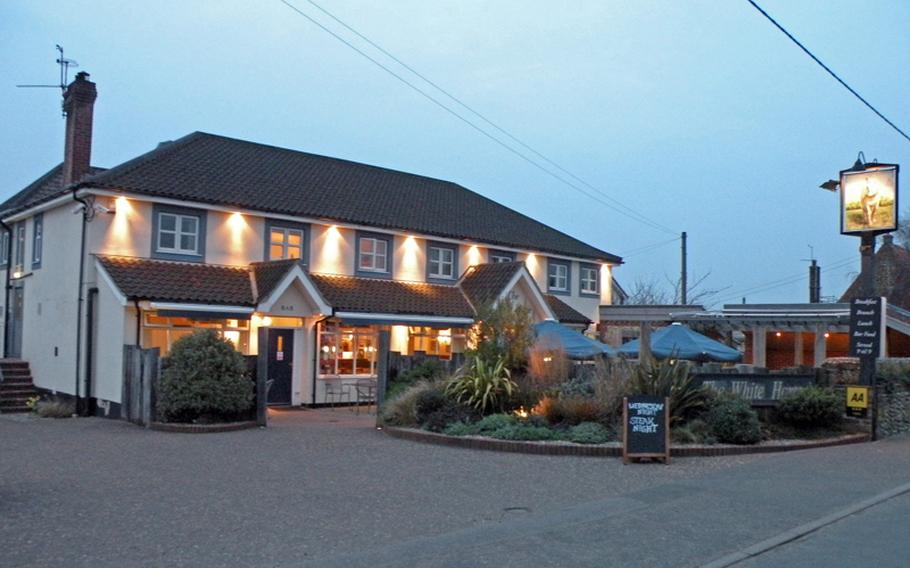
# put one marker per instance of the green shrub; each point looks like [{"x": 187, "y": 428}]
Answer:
[
  {"x": 504, "y": 331},
  {"x": 732, "y": 421},
  {"x": 483, "y": 386},
  {"x": 671, "y": 378},
  {"x": 204, "y": 380},
  {"x": 811, "y": 407},
  {"x": 435, "y": 410},
  {"x": 401, "y": 410},
  {"x": 494, "y": 422},
  {"x": 589, "y": 433},
  {"x": 459, "y": 429},
  {"x": 429, "y": 370},
  {"x": 524, "y": 432},
  {"x": 693, "y": 432},
  {"x": 54, "y": 408},
  {"x": 578, "y": 386}
]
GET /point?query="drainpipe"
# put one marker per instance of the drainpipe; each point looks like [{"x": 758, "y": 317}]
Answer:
[
  {"x": 6, "y": 287},
  {"x": 85, "y": 212},
  {"x": 138, "y": 323},
  {"x": 91, "y": 402}
]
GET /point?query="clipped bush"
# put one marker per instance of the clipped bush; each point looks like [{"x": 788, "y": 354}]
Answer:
[
  {"x": 693, "y": 432},
  {"x": 524, "y": 432},
  {"x": 732, "y": 421},
  {"x": 484, "y": 386},
  {"x": 205, "y": 379},
  {"x": 494, "y": 422},
  {"x": 811, "y": 407},
  {"x": 671, "y": 378},
  {"x": 589, "y": 433}
]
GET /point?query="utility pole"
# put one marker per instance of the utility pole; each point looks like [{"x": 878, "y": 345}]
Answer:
[{"x": 684, "y": 276}]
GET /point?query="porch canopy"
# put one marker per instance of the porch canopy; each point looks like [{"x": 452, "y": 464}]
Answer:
[
  {"x": 679, "y": 341},
  {"x": 575, "y": 345}
]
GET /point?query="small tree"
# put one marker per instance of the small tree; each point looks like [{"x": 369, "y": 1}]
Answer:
[
  {"x": 204, "y": 378},
  {"x": 504, "y": 331}
]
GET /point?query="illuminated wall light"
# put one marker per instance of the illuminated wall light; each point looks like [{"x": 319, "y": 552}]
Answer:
[
  {"x": 409, "y": 265},
  {"x": 120, "y": 239},
  {"x": 606, "y": 284},
  {"x": 778, "y": 334},
  {"x": 827, "y": 335},
  {"x": 331, "y": 259},
  {"x": 237, "y": 227},
  {"x": 474, "y": 256}
]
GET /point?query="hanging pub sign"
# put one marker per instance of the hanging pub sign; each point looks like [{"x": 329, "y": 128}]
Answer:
[
  {"x": 866, "y": 327},
  {"x": 868, "y": 199},
  {"x": 645, "y": 428}
]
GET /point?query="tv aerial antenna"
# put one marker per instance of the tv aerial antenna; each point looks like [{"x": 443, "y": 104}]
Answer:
[{"x": 65, "y": 65}]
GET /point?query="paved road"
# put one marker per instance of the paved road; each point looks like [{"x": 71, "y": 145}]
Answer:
[{"x": 324, "y": 488}]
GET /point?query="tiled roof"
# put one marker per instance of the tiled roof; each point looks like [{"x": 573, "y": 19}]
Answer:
[
  {"x": 369, "y": 295},
  {"x": 484, "y": 283},
  {"x": 188, "y": 282},
  {"x": 564, "y": 312},
  {"x": 166, "y": 281},
  {"x": 269, "y": 274},
  {"x": 44, "y": 188},
  {"x": 214, "y": 169},
  {"x": 892, "y": 276}
]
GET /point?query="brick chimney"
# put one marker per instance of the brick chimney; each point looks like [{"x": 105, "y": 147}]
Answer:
[{"x": 78, "y": 104}]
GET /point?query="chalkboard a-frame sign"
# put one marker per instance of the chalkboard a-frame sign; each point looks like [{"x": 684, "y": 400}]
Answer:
[{"x": 645, "y": 428}]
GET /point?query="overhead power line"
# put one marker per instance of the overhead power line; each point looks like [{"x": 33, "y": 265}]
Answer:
[
  {"x": 606, "y": 200},
  {"x": 828, "y": 69},
  {"x": 786, "y": 280}
]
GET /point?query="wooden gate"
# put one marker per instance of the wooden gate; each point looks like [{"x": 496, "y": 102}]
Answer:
[{"x": 140, "y": 382}]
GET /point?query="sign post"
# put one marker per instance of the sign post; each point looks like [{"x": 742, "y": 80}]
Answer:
[{"x": 645, "y": 428}]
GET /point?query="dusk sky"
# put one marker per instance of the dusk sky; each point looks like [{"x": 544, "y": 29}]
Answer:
[{"x": 700, "y": 116}]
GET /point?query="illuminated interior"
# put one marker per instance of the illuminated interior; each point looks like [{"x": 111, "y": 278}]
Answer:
[
  {"x": 346, "y": 351},
  {"x": 162, "y": 332},
  {"x": 437, "y": 342}
]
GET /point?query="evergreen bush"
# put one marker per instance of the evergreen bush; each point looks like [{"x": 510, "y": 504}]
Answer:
[
  {"x": 204, "y": 379},
  {"x": 732, "y": 421},
  {"x": 589, "y": 433},
  {"x": 811, "y": 407}
]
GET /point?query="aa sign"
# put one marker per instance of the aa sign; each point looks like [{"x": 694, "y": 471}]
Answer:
[
  {"x": 857, "y": 397},
  {"x": 869, "y": 199}
]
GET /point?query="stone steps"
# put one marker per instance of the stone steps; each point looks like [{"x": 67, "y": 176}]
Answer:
[{"x": 16, "y": 386}]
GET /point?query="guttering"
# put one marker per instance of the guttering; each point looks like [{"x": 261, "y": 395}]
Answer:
[
  {"x": 392, "y": 319},
  {"x": 138, "y": 323},
  {"x": 196, "y": 307},
  {"x": 85, "y": 209},
  {"x": 6, "y": 287}
]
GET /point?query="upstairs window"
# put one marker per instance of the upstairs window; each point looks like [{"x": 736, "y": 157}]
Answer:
[
  {"x": 441, "y": 263},
  {"x": 558, "y": 276},
  {"x": 4, "y": 248},
  {"x": 286, "y": 243},
  {"x": 37, "y": 240},
  {"x": 373, "y": 254},
  {"x": 19, "y": 247},
  {"x": 179, "y": 233},
  {"x": 589, "y": 277}
]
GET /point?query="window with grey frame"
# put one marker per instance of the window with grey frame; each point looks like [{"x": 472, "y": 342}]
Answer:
[
  {"x": 588, "y": 280},
  {"x": 441, "y": 262},
  {"x": 373, "y": 254},
  {"x": 37, "y": 240},
  {"x": 19, "y": 248},
  {"x": 178, "y": 233},
  {"x": 4, "y": 248},
  {"x": 286, "y": 242},
  {"x": 557, "y": 277}
]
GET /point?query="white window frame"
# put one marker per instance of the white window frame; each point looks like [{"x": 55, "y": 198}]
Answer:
[
  {"x": 338, "y": 332},
  {"x": 589, "y": 284},
  {"x": 436, "y": 267},
  {"x": 178, "y": 233},
  {"x": 284, "y": 243},
  {"x": 4, "y": 248},
  {"x": 498, "y": 258},
  {"x": 374, "y": 255},
  {"x": 19, "y": 247},
  {"x": 37, "y": 240},
  {"x": 555, "y": 273}
]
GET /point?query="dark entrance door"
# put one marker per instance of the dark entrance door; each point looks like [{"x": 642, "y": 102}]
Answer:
[
  {"x": 14, "y": 329},
  {"x": 281, "y": 357}
]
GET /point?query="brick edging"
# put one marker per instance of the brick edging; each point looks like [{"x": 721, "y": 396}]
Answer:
[
  {"x": 202, "y": 428},
  {"x": 568, "y": 449}
]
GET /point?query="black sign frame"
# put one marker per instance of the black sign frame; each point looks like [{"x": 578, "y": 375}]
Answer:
[{"x": 641, "y": 444}]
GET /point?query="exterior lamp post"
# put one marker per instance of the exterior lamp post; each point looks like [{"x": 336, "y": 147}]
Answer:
[{"x": 868, "y": 207}]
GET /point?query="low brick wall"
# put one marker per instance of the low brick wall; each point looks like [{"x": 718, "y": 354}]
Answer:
[{"x": 201, "y": 428}]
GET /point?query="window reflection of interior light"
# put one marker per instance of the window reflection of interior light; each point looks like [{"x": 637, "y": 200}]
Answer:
[
  {"x": 827, "y": 334},
  {"x": 777, "y": 334}
]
